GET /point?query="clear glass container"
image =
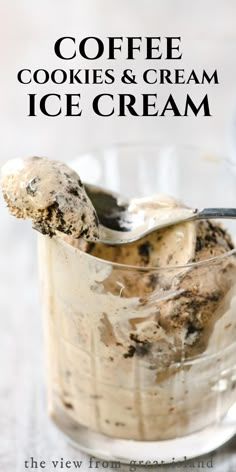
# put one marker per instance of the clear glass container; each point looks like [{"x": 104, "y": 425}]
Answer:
[{"x": 125, "y": 380}]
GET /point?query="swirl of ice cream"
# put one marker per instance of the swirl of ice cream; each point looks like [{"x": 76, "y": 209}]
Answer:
[{"x": 51, "y": 194}]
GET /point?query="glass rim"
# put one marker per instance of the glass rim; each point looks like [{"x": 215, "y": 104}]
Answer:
[
  {"x": 119, "y": 265},
  {"x": 151, "y": 144}
]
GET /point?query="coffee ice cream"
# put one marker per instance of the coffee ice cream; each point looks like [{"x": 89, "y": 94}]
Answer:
[
  {"x": 140, "y": 336},
  {"x": 140, "y": 333},
  {"x": 188, "y": 316}
]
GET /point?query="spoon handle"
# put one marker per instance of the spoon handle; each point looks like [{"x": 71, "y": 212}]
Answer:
[{"x": 209, "y": 213}]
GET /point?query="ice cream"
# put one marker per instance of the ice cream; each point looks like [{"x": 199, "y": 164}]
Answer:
[
  {"x": 138, "y": 335},
  {"x": 123, "y": 341},
  {"x": 51, "y": 194},
  {"x": 190, "y": 315}
]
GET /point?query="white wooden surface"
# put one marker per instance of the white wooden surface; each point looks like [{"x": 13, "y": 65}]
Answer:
[{"x": 25, "y": 430}]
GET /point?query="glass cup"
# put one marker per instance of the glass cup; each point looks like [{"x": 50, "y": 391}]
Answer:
[{"x": 126, "y": 381}]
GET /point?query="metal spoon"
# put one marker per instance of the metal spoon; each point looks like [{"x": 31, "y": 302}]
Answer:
[{"x": 119, "y": 224}]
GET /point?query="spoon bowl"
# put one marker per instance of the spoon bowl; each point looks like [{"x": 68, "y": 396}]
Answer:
[{"x": 122, "y": 221}]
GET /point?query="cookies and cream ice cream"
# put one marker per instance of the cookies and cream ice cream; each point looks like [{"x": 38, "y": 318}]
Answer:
[
  {"x": 140, "y": 336},
  {"x": 141, "y": 346},
  {"x": 189, "y": 314},
  {"x": 51, "y": 194}
]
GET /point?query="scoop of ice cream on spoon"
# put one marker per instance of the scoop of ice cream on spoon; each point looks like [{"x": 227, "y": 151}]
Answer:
[{"x": 51, "y": 194}]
